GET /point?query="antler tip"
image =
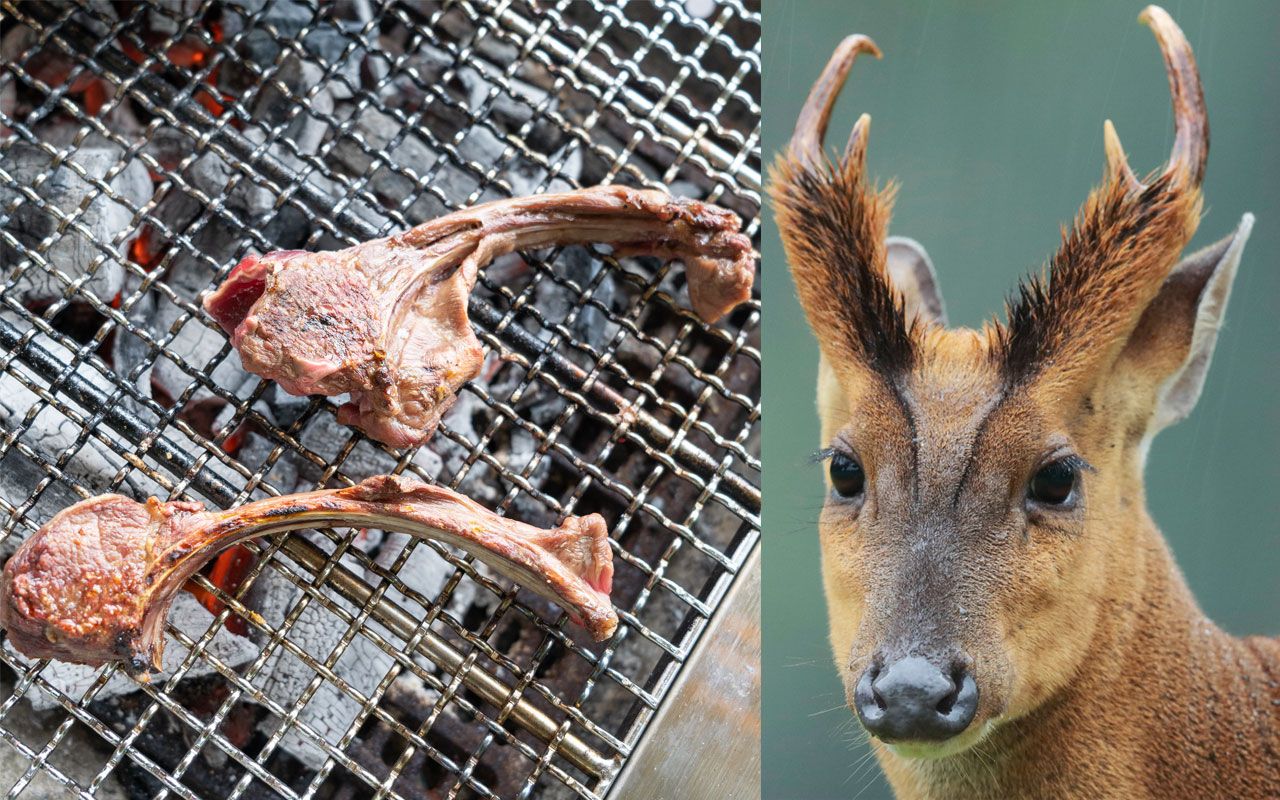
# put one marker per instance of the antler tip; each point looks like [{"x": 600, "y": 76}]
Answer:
[
  {"x": 811, "y": 125},
  {"x": 1116, "y": 160},
  {"x": 1190, "y": 121},
  {"x": 855, "y": 152},
  {"x": 1152, "y": 14},
  {"x": 859, "y": 43}
]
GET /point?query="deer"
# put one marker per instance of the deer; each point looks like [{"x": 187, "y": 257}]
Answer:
[{"x": 1005, "y": 616}]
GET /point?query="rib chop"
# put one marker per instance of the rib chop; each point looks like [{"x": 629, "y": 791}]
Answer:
[
  {"x": 386, "y": 320},
  {"x": 94, "y": 584}
]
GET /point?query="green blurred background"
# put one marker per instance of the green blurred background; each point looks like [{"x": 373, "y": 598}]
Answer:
[{"x": 991, "y": 116}]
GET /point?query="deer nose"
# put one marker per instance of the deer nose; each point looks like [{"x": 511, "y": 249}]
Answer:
[{"x": 911, "y": 699}]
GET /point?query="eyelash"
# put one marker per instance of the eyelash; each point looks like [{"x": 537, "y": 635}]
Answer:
[
  {"x": 822, "y": 455},
  {"x": 1074, "y": 461}
]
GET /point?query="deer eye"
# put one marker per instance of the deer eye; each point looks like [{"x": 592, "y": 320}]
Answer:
[
  {"x": 1054, "y": 484},
  {"x": 846, "y": 476}
]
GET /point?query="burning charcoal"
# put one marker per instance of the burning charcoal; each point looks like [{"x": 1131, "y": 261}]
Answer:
[
  {"x": 426, "y": 66},
  {"x": 89, "y": 750},
  {"x": 72, "y": 252},
  {"x": 187, "y": 616},
  {"x": 317, "y": 631},
  {"x": 253, "y": 453},
  {"x": 15, "y": 42},
  {"x": 168, "y": 146},
  {"x": 469, "y": 412},
  {"x": 193, "y": 340},
  {"x": 328, "y": 45},
  {"x": 164, "y": 16},
  {"x": 426, "y": 572},
  {"x": 19, "y": 477},
  {"x": 429, "y": 461},
  {"x": 288, "y": 17},
  {"x": 211, "y": 174},
  {"x": 166, "y": 741},
  {"x": 274, "y": 107},
  {"x": 324, "y": 436},
  {"x": 513, "y": 109},
  {"x": 248, "y": 6},
  {"x": 98, "y": 16},
  {"x": 372, "y": 133},
  {"x": 256, "y": 51},
  {"x": 51, "y": 433},
  {"x": 591, "y": 325},
  {"x": 285, "y": 408}
]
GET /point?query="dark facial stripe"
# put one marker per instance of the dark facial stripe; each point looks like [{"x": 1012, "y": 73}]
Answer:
[
  {"x": 901, "y": 399},
  {"x": 972, "y": 457}
]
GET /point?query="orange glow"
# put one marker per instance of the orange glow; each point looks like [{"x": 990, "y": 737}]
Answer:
[
  {"x": 228, "y": 571},
  {"x": 234, "y": 439},
  {"x": 187, "y": 53},
  {"x": 130, "y": 49},
  {"x": 95, "y": 97},
  {"x": 144, "y": 250},
  {"x": 206, "y": 99}
]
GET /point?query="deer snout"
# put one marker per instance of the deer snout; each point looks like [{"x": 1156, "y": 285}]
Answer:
[{"x": 912, "y": 699}]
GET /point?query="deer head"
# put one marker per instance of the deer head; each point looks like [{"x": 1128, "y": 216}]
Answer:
[{"x": 983, "y": 484}]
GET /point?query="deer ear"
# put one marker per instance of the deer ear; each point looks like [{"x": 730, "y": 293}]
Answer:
[
  {"x": 1179, "y": 329},
  {"x": 911, "y": 273}
]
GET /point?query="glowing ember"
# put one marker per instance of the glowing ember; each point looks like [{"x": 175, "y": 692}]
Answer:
[
  {"x": 226, "y": 573},
  {"x": 144, "y": 250}
]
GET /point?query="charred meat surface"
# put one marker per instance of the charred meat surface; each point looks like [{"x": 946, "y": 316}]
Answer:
[
  {"x": 386, "y": 320},
  {"x": 95, "y": 583}
]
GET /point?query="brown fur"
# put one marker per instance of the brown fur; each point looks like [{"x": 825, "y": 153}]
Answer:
[{"x": 1099, "y": 676}]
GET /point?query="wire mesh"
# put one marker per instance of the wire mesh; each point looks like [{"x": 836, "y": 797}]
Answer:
[{"x": 147, "y": 148}]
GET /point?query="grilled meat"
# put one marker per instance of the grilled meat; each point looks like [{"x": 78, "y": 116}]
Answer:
[
  {"x": 386, "y": 320},
  {"x": 95, "y": 583}
]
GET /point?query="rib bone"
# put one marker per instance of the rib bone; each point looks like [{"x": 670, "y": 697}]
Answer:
[{"x": 95, "y": 583}]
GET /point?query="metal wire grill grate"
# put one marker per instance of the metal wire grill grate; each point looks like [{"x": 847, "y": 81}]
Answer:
[{"x": 146, "y": 149}]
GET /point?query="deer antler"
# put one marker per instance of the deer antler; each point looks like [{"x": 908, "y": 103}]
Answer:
[
  {"x": 1125, "y": 240},
  {"x": 833, "y": 225}
]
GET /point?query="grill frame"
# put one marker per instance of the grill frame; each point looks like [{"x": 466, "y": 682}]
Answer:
[{"x": 161, "y": 448}]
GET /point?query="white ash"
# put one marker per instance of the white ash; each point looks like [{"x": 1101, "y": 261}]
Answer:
[
  {"x": 79, "y": 755},
  {"x": 19, "y": 477},
  {"x": 317, "y": 631},
  {"x": 372, "y": 133},
  {"x": 426, "y": 573},
  {"x": 325, "y": 437},
  {"x": 51, "y": 433},
  {"x": 188, "y": 616},
  {"x": 165, "y": 16},
  {"x": 70, "y": 251}
]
